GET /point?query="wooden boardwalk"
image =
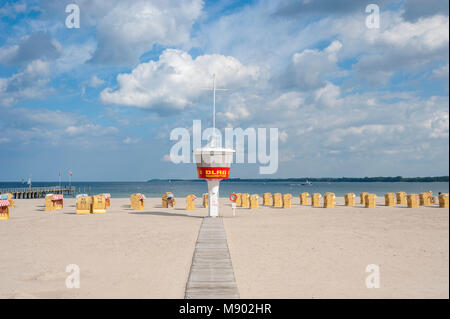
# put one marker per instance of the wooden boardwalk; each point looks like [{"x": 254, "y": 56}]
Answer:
[
  {"x": 211, "y": 275},
  {"x": 38, "y": 192}
]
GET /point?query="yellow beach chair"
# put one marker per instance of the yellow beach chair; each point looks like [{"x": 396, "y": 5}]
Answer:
[
  {"x": 10, "y": 200},
  {"x": 58, "y": 201},
  {"x": 443, "y": 201},
  {"x": 287, "y": 200},
  {"x": 412, "y": 200},
  {"x": 267, "y": 199},
  {"x": 4, "y": 209},
  {"x": 329, "y": 200},
  {"x": 254, "y": 201},
  {"x": 349, "y": 199},
  {"x": 107, "y": 199},
  {"x": 277, "y": 200},
  {"x": 238, "y": 199},
  {"x": 362, "y": 198},
  {"x": 401, "y": 198},
  {"x": 49, "y": 202},
  {"x": 369, "y": 201},
  {"x": 246, "y": 200},
  {"x": 83, "y": 205},
  {"x": 389, "y": 199},
  {"x": 315, "y": 200},
  {"x": 205, "y": 200},
  {"x": 424, "y": 199},
  {"x": 137, "y": 201},
  {"x": 190, "y": 202},
  {"x": 304, "y": 200},
  {"x": 98, "y": 204},
  {"x": 168, "y": 200}
]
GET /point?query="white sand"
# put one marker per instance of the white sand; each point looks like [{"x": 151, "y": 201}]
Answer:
[
  {"x": 309, "y": 252},
  {"x": 121, "y": 254},
  {"x": 301, "y": 252}
]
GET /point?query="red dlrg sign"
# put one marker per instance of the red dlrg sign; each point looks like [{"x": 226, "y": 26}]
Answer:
[{"x": 213, "y": 172}]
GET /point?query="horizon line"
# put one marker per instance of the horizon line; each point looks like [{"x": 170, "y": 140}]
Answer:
[{"x": 233, "y": 178}]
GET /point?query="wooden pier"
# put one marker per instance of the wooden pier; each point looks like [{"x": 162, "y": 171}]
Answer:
[
  {"x": 211, "y": 274},
  {"x": 38, "y": 192}
]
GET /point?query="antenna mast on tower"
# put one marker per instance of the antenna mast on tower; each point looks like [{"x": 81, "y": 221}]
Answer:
[{"x": 214, "y": 89}]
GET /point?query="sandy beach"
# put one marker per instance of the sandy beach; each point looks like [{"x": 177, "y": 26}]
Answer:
[
  {"x": 121, "y": 254},
  {"x": 302, "y": 252}
]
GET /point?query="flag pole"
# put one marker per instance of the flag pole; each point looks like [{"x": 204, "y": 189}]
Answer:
[{"x": 214, "y": 89}]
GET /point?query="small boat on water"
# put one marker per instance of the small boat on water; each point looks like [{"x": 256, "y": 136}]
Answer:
[{"x": 306, "y": 183}]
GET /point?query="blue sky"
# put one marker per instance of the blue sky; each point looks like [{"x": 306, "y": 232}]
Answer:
[{"x": 102, "y": 99}]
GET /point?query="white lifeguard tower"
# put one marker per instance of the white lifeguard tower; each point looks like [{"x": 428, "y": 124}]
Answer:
[{"x": 213, "y": 164}]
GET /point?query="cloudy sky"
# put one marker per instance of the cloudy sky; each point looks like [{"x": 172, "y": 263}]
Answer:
[{"x": 102, "y": 99}]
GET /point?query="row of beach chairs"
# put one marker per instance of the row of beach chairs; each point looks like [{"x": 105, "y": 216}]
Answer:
[
  {"x": 85, "y": 204},
  {"x": 246, "y": 200},
  {"x": 369, "y": 200},
  {"x": 411, "y": 200},
  {"x": 328, "y": 200},
  {"x": 98, "y": 203},
  {"x": 95, "y": 204}
]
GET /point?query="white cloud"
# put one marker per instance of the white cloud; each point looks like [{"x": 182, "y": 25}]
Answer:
[
  {"x": 176, "y": 80},
  {"x": 73, "y": 56},
  {"x": 130, "y": 140},
  {"x": 130, "y": 28},
  {"x": 308, "y": 68},
  {"x": 283, "y": 136},
  {"x": 403, "y": 46},
  {"x": 95, "y": 82},
  {"x": 8, "y": 53},
  {"x": 328, "y": 96},
  {"x": 290, "y": 101},
  {"x": 260, "y": 35},
  {"x": 286, "y": 158},
  {"x": 369, "y": 129},
  {"x": 441, "y": 72},
  {"x": 91, "y": 129},
  {"x": 415, "y": 9},
  {"x": 36, "y": 46},
  {"x": 426, "y": 35},
  {"x": 39, "y": 57},
  {"x": 438, "y": 124},
  {"x": 352, "y": 127},
  {"x": 285, "y": 70},
  {"x": 11, "y": 10},
  {"x": 45, "y": 127},
  {"x": 38, "y": 68},
  {"x": 27, "y": 84}
]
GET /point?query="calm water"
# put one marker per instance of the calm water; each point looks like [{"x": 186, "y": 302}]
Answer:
[{"x": 183, "y": 188}]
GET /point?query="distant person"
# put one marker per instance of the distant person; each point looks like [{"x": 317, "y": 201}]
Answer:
[{"x": 170, "y": 200}]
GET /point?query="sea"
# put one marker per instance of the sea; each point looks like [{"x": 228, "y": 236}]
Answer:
[{"x": 181, "y": 188}]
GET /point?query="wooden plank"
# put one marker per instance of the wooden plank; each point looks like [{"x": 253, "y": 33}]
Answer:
[{"x": 211, "y": 275}]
